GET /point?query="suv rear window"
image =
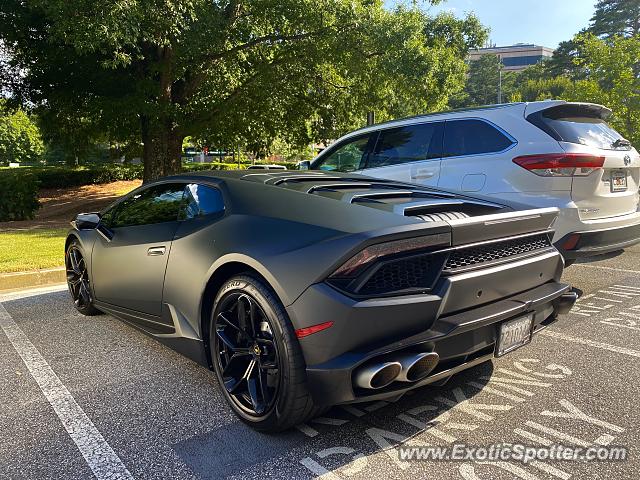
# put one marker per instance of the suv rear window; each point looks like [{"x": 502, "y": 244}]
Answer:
[{"x": 583, "y": 124}]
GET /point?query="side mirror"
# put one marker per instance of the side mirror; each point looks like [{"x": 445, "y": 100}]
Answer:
[
  {"x": 87, "y": 221},
  {"x": 304, "y": 165}
]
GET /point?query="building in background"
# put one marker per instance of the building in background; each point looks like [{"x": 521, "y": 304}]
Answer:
[{"x": 515, "y": 57}]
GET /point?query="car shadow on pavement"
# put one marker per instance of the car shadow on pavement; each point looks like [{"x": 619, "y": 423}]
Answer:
[{"x": 234, "y": 448}]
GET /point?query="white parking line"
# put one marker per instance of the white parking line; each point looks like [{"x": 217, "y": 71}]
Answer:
[
  {"x": 591, "y": 343},
  {"x": 601, "y": 267},
  {"x": 100, "y": 457}
]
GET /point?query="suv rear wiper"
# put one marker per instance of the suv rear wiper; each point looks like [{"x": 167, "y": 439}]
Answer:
[{"x": 621, "y": 142}]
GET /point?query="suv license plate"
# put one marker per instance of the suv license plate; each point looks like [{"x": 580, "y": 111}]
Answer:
[
  {"x": 514, "y": 334},
  {"x": 618, "y": 180}
]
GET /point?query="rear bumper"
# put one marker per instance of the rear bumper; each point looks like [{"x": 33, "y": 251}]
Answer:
[
  {"x": 458, "y": 320},
  {"x": 461, "y": 340},
  {"x": 596, "y": 242}
]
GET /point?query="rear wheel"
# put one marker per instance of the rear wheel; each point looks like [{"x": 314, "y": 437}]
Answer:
[
  {"x": 78, "y": 280},
  {"x": 257, "y": 358}
]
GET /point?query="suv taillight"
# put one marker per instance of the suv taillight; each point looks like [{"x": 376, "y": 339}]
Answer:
[{"x": 560, "y": 164}]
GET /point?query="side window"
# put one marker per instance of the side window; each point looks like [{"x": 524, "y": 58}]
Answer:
[
  {"x": 200, "y": 200},
  {"x": 346, "y": 157},
  {"x": 412, "y": 143},
  {"x": 473, "y": 137},
  {"x": 156, "y": 204}
]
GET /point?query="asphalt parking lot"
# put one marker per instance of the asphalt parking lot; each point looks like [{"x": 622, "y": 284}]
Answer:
[{"x": 102, "y": 399}]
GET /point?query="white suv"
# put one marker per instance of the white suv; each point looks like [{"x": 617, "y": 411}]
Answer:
[{"x": 551, "y": 153}]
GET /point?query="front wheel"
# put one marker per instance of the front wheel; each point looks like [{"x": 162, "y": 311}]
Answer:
[
  {"x": 257, "y": 358},
  {"x": 78, "y": 280}
]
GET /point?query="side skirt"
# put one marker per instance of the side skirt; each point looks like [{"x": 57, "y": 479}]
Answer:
[{"x": 179, "y": 336}]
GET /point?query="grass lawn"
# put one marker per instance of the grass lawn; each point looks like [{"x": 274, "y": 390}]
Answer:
[{"x": 22, "y": 250}]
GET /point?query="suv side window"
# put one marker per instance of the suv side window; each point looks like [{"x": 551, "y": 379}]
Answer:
[
  {"x": 347, "y": 157},
  {"x": 200, "y": 200},
  {"x": 473, "y": 137},
  {"x": 412, "y": 143},
  {"x": 156, "y": 204}
]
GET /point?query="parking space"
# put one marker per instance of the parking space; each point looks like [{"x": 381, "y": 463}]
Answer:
[{"x": 86, "y": 397}]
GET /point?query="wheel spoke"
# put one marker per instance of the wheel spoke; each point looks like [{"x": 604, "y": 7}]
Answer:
[
  {"x": 234, "y": 360},
  {"x": 262, "y": 381},
  {"x": 235, "y": 327},
  {"x": 84, "y": 293},
  {"x": 226, "y": 340},
  {"x": 246, "y": 317},
  {"x": 252, "y": 386}
]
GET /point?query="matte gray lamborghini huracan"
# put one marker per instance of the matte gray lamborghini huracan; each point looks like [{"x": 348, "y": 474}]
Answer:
[{"x": 305, "y": 290}]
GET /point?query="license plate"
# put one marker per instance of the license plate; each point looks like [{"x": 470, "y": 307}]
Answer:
[
  {"x": 618, "y": 180},
  {"x": 514, "y": 334}
]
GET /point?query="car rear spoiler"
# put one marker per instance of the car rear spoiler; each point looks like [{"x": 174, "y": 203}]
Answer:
[{"x": 501, "y": 225}]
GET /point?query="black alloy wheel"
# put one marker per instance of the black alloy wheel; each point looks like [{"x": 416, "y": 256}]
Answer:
[
  {"x": 247, "y": 354},
  {"x": 78, "y": 280},
  {"x": 257, "y": 357}
]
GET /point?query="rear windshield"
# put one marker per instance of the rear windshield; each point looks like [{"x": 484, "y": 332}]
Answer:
[{"x": 594, "y": 132}]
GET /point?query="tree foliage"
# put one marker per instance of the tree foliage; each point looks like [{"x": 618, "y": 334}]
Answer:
[
  {"x": 485, "y": 78},
  {"x": 20, "y": 139},
  {"x": 233, "y": 72},
  {"x": 613, "y": 81},
  {"x": 611, "y": 18},
  {"x": 616, "y": 17}
]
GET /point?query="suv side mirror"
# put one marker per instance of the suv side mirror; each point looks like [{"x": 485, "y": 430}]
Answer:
[
  {"x": 87, "y": 221},
  {"x": 304, "y": 165}
]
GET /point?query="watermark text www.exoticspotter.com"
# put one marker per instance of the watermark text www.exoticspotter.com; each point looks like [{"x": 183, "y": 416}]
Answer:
[{"x": 512, "y": 451}]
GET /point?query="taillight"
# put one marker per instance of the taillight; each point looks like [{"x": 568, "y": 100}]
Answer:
[
  {"x": 366, "y": 257},
  {"x": 560, "y": 164},
  {"x": 305, "y": 332}
]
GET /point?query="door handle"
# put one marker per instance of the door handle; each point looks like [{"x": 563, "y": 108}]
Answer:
[
  {"x": 154, "y": 251},
  {"x": 422, "y": 175}
]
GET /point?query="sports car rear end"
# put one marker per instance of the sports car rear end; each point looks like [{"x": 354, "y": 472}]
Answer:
[{"x": 412, "y": 306}]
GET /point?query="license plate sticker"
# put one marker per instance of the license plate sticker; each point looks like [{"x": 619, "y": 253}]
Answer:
[
  {"x": 618, "y": 180},
  {"x": 514, "y": 334}
]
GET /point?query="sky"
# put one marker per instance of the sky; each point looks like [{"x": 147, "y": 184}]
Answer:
[{"x": 543, "y": 22}]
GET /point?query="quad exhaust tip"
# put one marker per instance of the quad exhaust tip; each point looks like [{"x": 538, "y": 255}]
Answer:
[
  {"x": 377, "y": 375},
  {"x": 416, "y": 366}
]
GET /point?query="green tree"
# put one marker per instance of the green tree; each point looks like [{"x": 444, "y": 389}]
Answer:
[
  {"x": 231, "y": 71},
  {"x": 485, "y": 79},
  {"x": 616, "y": 17},
  {"x": 613, "y": 81},
  {"x": 20, "y": 139},
  {"x": 611, "y": 18}
]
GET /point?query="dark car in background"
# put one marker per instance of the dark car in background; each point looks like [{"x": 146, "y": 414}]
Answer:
[{"x": 302, "y": 290}]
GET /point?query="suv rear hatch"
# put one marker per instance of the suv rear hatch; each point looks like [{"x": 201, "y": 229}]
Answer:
[{"x": 606, "y": 167}]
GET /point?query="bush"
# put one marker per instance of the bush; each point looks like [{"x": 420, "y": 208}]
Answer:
[
  {"x": 65, "y": 177},
  {"x": 18, "y": 195}
]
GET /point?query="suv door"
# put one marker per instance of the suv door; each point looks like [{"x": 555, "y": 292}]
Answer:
[
  {"x": 130, "y": 255},
  {"x": 409, "y": 154},
  {"x": 471, "y": 154}
]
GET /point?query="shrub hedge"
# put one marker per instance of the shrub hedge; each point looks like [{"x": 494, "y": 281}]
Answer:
[
  {"x": 19, "y": 187},
  {"x": 18, "y": 196}
]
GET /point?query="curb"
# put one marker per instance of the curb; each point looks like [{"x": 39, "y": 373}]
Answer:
[{"x": 38, "y": 278}]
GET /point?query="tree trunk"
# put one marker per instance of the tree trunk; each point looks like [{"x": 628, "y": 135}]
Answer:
[{"x": 161, "y": 153}]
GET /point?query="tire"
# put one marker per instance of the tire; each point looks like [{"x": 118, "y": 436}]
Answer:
[
  {"x": 279, "y": 398},
  {"x": 78, "y": 280}
]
